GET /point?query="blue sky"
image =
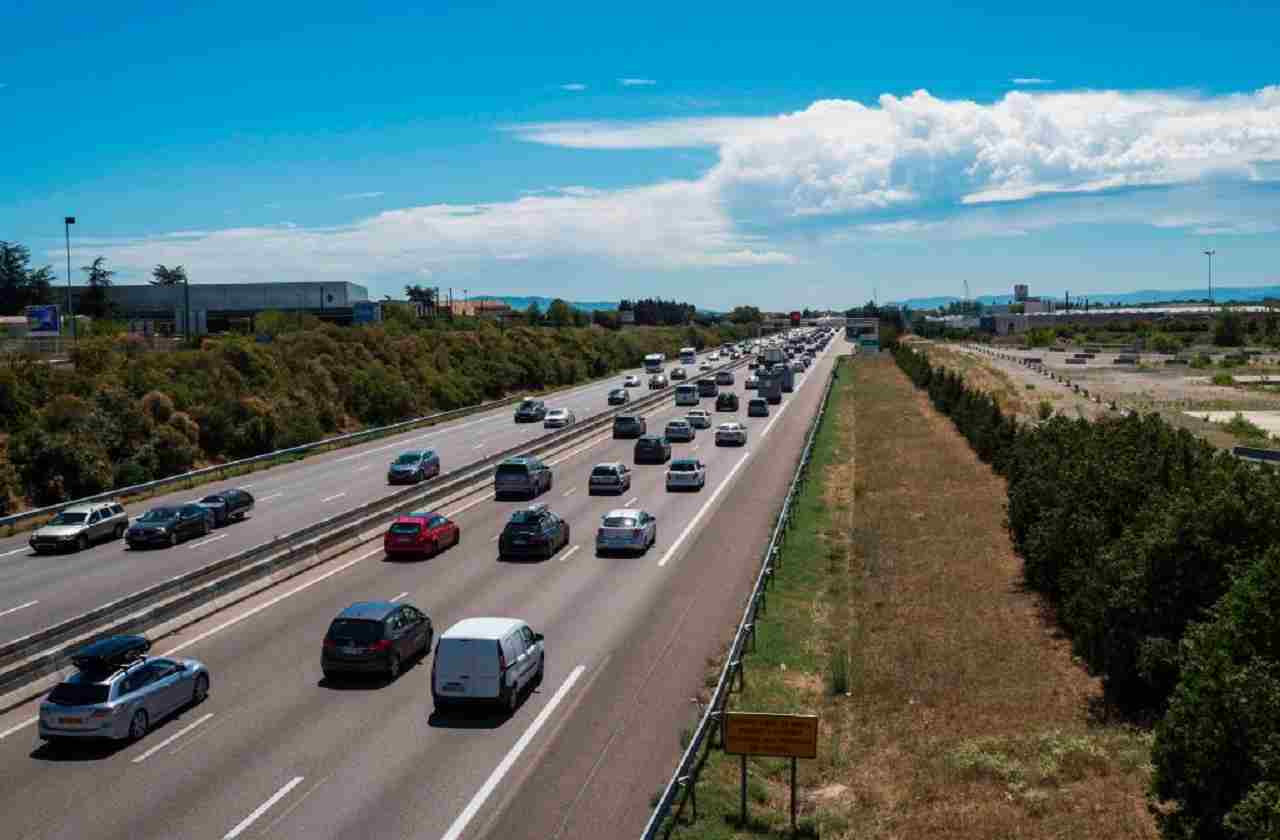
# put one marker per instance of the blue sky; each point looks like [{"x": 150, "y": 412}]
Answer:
[{"x": 718, "y": 153}]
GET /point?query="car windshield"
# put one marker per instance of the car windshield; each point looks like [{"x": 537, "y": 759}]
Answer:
[
  {"x": 79, "y": 694},
  {"x": 159, "y": 514},
  {"x": 69, "y": 519},
  {"x": 408, "y": 458},
  {"x": 405, "y": 528},
  {"x": 556, "y": 412},
  {"x": 684, "y": 466},
  {"x": 604, "y": 471},
  {"x": 355, "y": 630},
  {"x": 619, "y": 522}
]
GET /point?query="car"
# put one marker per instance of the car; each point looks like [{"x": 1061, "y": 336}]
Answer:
[
  {"x": 487, "y": 660},
  {"x": 708, "y": 388},
  {"x": 613, "y": 477},
  {"x": 375, "y": 637},
  {"x": 79, "y": 526},
  {"x": 229, "y": 505},
  {"x": 724, "y": 377},
  {"x": 713, "y": 357},
  {"x": 751, "y": 383},
  {"x": 652, "y": 449},
  {"x": 421, "y": 533},
  {"x": 679, "y": 429},
  {"x": 657, "y": 382},
  {"x": 523, "y": 476},
  {"x": 169, "y": 525},
  {"x": 757, "y": 407},
  {"x": 705, "y": 367},
  {"x": 631, "y": 381},
  {"x": 753, "y": 364},
  {"x": 727, "y": 401},
  {"x": 619, "y": 396},
  {"x": 686, "y": 474},
  {"x": 413, "y": 466},
  {"x": 699, "y": 418},
  {"x": 626, "y": 529},
  {"x": 119, "y": 693},
  {"x": 531, "y": 411},
  {"x": 629, "y": 426},
  {"x": 731, "y": 433},
  {"x": 558, "y": 418},
  {"x": 677, "y": 374},
  {"x": 533, "y": 532}
]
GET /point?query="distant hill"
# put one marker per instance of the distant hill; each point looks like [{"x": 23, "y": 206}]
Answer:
[
  {"x": 522, "y": 303},
  {"x": 1220, "y": 295}
]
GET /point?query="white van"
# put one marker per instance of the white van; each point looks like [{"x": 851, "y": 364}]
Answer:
[
  {"x": 687, "y": 394},
  {"x": 486, "y": 660}
]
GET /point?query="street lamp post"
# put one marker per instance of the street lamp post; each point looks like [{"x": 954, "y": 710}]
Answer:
[
  {"x": 67, "y": 222},
  {"x": 1209, "y": 253}
]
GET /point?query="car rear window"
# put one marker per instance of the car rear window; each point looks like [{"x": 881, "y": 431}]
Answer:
[
  {"x": 406, "y": 528},
  {"x": 513, "y": 469},
  {"x": 358, "y": 630},
  {"x": 619, "y": 522},
  {"x": 521, "y": 517},
  {"x": 408, "y": 458},
  {"x": 604, "y": 471},
  {"x": 528, "y": 404},
  {"x": 79, "y": 694},
  {"x": 683, "y": 466}
]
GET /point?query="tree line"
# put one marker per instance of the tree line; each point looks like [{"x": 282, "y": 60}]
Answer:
[
  {"x": 1161, "y": 557},
  {"x": 21, "y": 285}
]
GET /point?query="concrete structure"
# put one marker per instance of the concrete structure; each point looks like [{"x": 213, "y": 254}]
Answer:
[
  {"x": 481, "y": 308},
  {"x": 1020, "y": 292}
]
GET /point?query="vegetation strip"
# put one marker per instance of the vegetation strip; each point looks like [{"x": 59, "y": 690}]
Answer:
[{"x": 947, "y": 709}]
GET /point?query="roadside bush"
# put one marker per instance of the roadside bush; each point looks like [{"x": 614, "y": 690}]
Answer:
[
  {"x": 1223, "y": 379},
  {"x": 189, "y": 428},
  {"x": 1044, "y": 410},
  {"x": 1217, "y": 750},
  {"x": 1202, "y": 361},
  {"x": 55, "y": 467},
  {"x": 158, "y": 406},
  {"x": 1241, "y": 427},
  {"x": 174, "y": 452}
]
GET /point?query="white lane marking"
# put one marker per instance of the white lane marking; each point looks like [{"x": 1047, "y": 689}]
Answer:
[
  {"x": 15, "y": 551},
  {"x": 23, "y": 725},
  {"x": 334, "y": 496},
  {"x": 207, "y": 540},
  {"x": 632, "y": 501},
  {"x": 728, "y": 479},
  {"x": 262, "y": 809},
  {"x": 245, "y": 486},
  {"x": 269, "y": 498},
  {"x": 365, "y": 467},
  {"x": 224, "y": 625},
  {"x": 694, "y": 448},
  {"x": 469, "y": 505},
  {"x": 480, "y": 446},
  {"x": 175, "y": 736},
  {"x": 495, "y": 537},
  {"x": 570, "y": 552},
  {"x": 436, "y": 430},
  {"x": 398, "y": 597},
  {"x": 19, "y": 607},
  {"x": 569, "y": 492},
  {"x": 491, "y": 783}
]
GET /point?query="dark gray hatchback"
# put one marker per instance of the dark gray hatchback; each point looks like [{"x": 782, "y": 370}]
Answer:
[{"x": 375, "y": 637}]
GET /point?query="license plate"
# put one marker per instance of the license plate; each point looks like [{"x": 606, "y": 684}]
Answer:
[
  {"x": 404, "y": 539},
  {"x": 518, "y": 541},
  {"x": 352, "y": 651},
  {"x": 70, "y": 720},
  {"x": 452, "y": 687}
]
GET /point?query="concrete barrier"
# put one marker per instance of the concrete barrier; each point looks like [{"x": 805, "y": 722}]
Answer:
[
  {"x": 1126, "y": 360},
  {"x": 1077, "y": 361}
]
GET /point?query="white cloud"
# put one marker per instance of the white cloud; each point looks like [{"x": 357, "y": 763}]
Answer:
[
  {"x": 574, "y": 86},
  {"x": 360, "y": 195},
  {"x": 636, "y": 82},
  {"x": 1030, "y": 80}
]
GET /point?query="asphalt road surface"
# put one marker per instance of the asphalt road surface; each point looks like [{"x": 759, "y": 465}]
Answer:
[
  {"x": 276, "y": 751},
  {"x": 37, "y": 591}
]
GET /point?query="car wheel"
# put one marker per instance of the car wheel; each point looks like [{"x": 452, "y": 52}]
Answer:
[
  {"x": 138, "y": 725},
  {"x": 201, "y": 690},
  {"x": 173, "y": 538},
  {"x": 204, "y": 528},
  {"x": 118, "y": 532},
  {"x": 512, "y": 699},
  {"x": 542, "y": 667},
  {"x": 435, "y": 549},
  {"x": 329, "y": 676},
  {"x": 393, "y": 666},
  {"x": 82, "y": 542}
]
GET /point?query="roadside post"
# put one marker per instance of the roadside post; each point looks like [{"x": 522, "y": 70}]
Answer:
[{"x": 778, "y": 736}]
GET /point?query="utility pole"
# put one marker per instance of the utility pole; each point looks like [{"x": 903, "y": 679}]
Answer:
[
  {"x": 1209, "y": 253},
  {"x": 67, "y": 222},
  {"x": 186, "y": 302}
]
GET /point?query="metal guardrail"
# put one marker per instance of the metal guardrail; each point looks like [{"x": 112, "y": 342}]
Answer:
[
  {"x": 39, "y": 653},
  {"x": 685, "y": 777}
]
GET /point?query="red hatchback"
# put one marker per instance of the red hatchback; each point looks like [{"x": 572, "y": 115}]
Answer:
[{"x": 420, "y": 533}]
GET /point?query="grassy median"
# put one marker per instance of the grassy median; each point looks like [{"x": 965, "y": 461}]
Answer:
[{"x": 950, "y": 706}]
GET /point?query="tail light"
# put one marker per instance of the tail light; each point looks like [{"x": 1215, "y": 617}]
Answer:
[
  {"x": 330, "y": 644},
  {"x": 381, "y": 646}
]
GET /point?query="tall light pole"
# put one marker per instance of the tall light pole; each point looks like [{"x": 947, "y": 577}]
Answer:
[
  {"x": 67, "y": 222},
  {"x": 1209, "y": 253}
]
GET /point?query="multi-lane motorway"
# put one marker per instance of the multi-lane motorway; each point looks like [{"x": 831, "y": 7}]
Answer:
[
  {"x": 276, "y": 751},
  {"x": 39, "y": 591}
]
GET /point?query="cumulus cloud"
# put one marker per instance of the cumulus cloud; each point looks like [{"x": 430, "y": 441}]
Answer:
[
  {"x": 574, "y": 86},
  {"x": 1030, "y": 80},
  {"x": 636, "y": 82}
]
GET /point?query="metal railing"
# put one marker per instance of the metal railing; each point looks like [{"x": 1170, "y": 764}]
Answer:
[
  {"x": 684, "y": 779},
  {"x": 39, "y": 653}
]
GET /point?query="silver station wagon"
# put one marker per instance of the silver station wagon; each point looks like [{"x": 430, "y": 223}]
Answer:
[{"x": 79, "y": 526}]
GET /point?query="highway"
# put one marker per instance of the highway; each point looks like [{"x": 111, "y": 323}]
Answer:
[
  {"x": 276, "y": 751},
  {"x": 39, "y": 591}
]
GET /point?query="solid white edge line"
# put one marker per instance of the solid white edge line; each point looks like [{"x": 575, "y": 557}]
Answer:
[
  {"x": 398, "y": 597},
  {"x": 569, "y": 492},
  {"x": 570, "y": 552},
  {"x": 728, "y": 479},
  {"x": 207, "y": 540},
  {"x": 272, "y": 496},
  {"x": 19, "y": 607},
  {"x": 175, "y": 736},
  {"x": 18, "y": 727},
  {"x": 486, "y": 790},
  {"x": 262, "y": 809},
  {"x": 334, "y": 496},
  {"x": 16, "y": 551},
  {"x": 632, "y": 501},
  {"x": 224, "y": 625}
]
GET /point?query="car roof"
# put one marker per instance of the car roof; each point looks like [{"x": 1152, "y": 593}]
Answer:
[
  {"x": 520, "y": 459},
  {"x": 369, "y": 610},
  {"x": 632, "y": 512},
  {"x": 482, "y": 628},
  {"x": 610, "y": 464},
  {"x": 85, "y": 507},
  {"x": 679, "y": 420},
  {"x": 416, "y": 515},
  {"x": 558, "y": 411}
]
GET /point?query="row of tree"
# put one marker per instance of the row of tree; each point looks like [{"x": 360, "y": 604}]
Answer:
[
  {"x": 1161, "y": 557},
  {"x": 22, "y": 286}
]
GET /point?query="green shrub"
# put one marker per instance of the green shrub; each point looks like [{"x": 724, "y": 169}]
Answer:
[
  {"x": 1244, "y": 428},
  {"x": 1201, "y": 361},
  {"x": 1044, "y": 410},
  {"x": 1223, "y": 379}
]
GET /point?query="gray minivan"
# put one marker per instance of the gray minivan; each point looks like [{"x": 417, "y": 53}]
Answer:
[
  {"x": 486, "y": 660},
  {"x": 524, "y": 477}
]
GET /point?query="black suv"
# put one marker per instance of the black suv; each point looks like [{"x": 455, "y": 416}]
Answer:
[
  {"x": 629, "y": 426},
  {"x": 727, "y": 402},
  {"x": 533, "y": 532},
  {"x": 619, "y": 396},
  {"x": 531, "y": 411},
  {"x": 228, "y": 505},
  {"x": 375, "y": 637},
  {"x": 652, "y": 449}
]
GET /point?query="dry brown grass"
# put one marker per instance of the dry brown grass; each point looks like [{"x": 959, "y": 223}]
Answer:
[{"x": 984, "y": 377}]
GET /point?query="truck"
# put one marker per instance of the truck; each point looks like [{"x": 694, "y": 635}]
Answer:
[
  {"x": 653, "y": 362},
  {"x": 688, "y": 355},
  {"x": 770, "y": 388}
]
